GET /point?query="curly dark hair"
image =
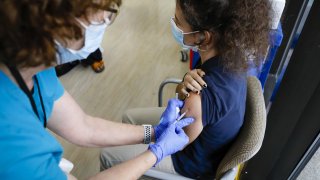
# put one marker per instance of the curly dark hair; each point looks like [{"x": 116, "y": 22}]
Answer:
[
  {"x": 29, "y": 28},
  {"x": 240, "y": 27}
]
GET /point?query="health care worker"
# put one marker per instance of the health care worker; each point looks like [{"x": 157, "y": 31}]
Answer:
[
  {"x": 87, "y": 49},
  {"x": 33, "y": 99}
]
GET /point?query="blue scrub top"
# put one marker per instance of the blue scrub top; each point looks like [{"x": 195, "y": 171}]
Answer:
[{"x": 27, "y": 149}]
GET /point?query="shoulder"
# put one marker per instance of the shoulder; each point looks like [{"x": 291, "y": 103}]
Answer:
[
  {"x": 48, "y": 74},
  {"x": 49, "y": 83},
  {"x": 225, "y": 84},
  {"x": 225, "y": 92}
]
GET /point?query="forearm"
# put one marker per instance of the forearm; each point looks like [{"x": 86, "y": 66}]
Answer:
[
  {"x": 131, "y": 169},
  {"x": 104, "y": 133},
  {"x": 69, "y": 121}
]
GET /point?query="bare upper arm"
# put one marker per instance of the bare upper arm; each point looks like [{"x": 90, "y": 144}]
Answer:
[
  {"x": 67, "y": 119},
  {"x": 193, "y": 105}
]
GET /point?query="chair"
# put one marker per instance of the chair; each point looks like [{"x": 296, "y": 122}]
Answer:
[
  {"x": 163, "y": 84},
  {"x": 247, "y": 143},
  {"x": 251, "y": 135}
]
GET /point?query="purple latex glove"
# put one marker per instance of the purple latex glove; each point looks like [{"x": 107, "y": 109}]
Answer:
[
  {"x": 167, "y": 117},
  {"x": 172, "y": 139}
]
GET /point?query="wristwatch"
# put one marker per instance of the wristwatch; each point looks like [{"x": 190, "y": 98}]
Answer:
[{"x": 147, "y": 133}]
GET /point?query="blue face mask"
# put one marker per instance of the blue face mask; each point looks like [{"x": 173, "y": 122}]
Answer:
[{"x": 178, "y": 34}]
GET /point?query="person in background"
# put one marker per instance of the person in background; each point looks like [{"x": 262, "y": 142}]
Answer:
[
  {"x": 227, "y": 34},
  {"x": 33, "y": 99},
  {"x": 87, "y": 50}
]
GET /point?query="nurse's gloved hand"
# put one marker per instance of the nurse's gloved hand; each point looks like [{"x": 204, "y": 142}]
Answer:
[
  {"x": 168, "y": 117},
  {"x": 172, "y": 139}
]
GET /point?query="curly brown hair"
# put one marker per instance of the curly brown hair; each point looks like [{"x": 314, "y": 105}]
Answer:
[
  {"x": 29, "y": 28},
  {"x": 240, "y": 27}
]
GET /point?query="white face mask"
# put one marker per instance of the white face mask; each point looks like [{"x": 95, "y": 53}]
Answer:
[
  {"x": 92, "y": 40},
  {"x": 178, "y": 34}
]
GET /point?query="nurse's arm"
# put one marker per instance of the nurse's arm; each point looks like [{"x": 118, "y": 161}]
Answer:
[
  {"x": 131, "y": 169},
  {"x": 72, "y": 123},
  {"x": 193, "y": 105}
]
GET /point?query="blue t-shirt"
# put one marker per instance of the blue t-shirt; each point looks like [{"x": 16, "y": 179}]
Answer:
[
  {"x": 223, "y": 108},
  {"x": 27, "y": 149}
]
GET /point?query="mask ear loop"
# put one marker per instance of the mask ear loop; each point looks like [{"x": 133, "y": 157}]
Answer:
[{"x": 114, "y": 11}]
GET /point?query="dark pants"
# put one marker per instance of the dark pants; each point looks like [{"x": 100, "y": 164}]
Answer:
[
  {"x": 96, "y": 56},
  {"x": 62, "y": 69}
]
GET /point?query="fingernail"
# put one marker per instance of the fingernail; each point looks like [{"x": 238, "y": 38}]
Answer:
[
  {"x": 205, "y": 85},
  {"x": 198, "y": 92},
  {"x": 188, "y": 95}
]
